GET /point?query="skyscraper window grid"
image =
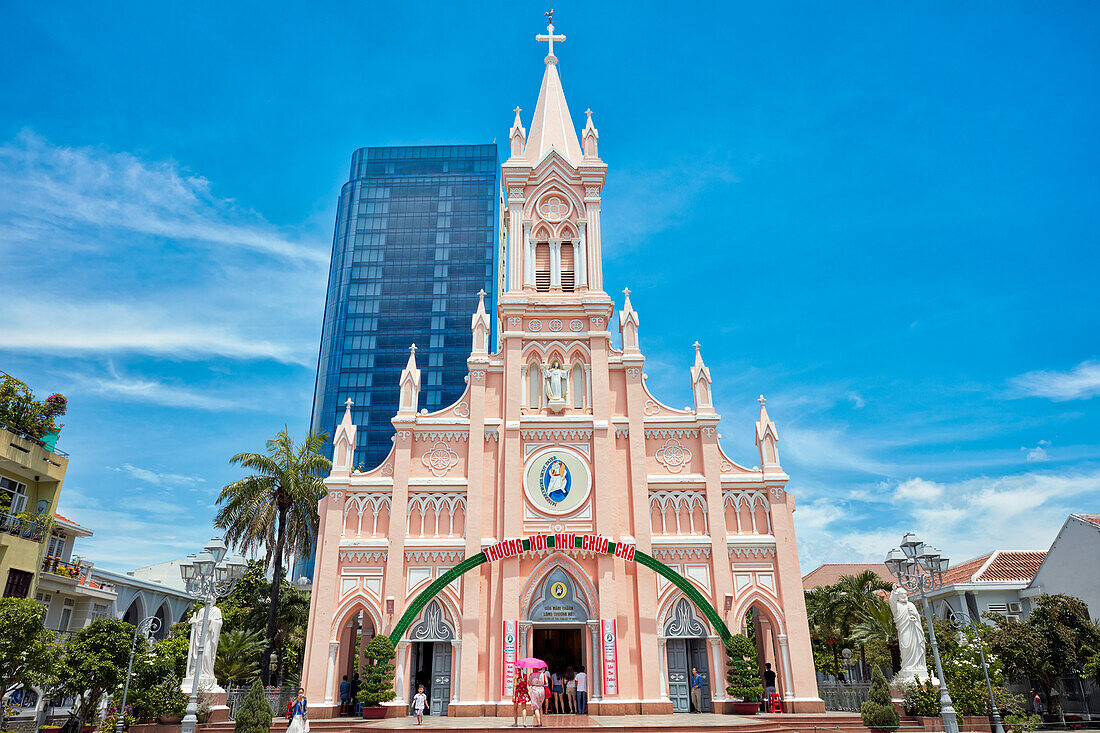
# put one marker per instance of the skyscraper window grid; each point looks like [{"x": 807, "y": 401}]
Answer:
[{"x": 416, "y": 238}]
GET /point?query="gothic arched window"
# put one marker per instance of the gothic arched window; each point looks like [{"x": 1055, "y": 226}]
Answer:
[
  {"x": 542, "y": 267},
  {"x": 577, "y": 385}
]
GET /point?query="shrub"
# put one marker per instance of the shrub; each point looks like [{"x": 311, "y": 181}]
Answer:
[
  {"x": 922, "y": 699},
  {"x": 879, "y": 712},
  {"x": 110, "y": 719},
  {"x": 1021, "y": 722},
  {"x": 255, "y": 714},
  {"x": 377, "y": 673},
  {"x": 163, "y": 700},
  {"x": 742, "y": 675}
]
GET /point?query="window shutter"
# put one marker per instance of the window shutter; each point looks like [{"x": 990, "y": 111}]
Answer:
[
  {"x": 567, "y": 267},
  {"x": 542, "y": 267}
]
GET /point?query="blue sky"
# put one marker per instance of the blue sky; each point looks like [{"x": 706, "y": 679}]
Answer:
[{"x": 883, "y": 216}]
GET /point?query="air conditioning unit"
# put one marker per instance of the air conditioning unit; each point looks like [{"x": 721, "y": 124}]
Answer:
[
  {"x": 1013, "y": 617},
  {"x": 1015, "y": 608}
]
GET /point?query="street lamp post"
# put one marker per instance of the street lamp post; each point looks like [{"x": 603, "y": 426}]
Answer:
[
  {"x": 148, "y": 626},
  {"x": 997, "y": 727},
  {"x": 209, "y": 575},
  {"x": 919, "y": 568}
]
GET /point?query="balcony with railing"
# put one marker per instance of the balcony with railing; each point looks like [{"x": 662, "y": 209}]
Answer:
[
  {"x": 28, "y": 529},
  {"x": 80, "y": 572}
]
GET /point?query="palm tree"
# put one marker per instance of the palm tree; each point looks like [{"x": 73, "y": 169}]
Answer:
[
  {"x": 859, "y": 593},
  {"x": 275, "y": 508},
  {"x": 876, "y": 624},
  {"x": 827, "y": 614},
  {"x": 237, "y": 661}
]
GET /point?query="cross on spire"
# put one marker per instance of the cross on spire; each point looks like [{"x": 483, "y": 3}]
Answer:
[
  {"x": 348, "y": 403},
  {"x": 549, "y": 36}
]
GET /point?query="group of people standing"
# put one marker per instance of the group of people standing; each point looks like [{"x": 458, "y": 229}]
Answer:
[{"x": 546, "y": 692}]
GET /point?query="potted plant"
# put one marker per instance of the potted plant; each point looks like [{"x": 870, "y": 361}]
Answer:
[
  {"x": 255, "y": 713},
  {"x": 879, "y": 713},
  {"x": 743, "y": 676},
  {"x": 377, "y": 677}
]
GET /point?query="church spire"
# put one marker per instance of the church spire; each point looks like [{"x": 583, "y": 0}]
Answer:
[
  {"x": 410, "y": 385},
  {"x": 551, "y": 127},
  {"x": 766, "y": 439}
]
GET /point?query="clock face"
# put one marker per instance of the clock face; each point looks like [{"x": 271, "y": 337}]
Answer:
[{"x": 557, "y": 481}]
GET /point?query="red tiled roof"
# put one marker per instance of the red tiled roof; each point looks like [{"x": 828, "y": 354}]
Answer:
[
  {"x": 63, "y": 519},
  {"x": 1005, "y": 566},
  {"x": 830, "y": 573},
  {"x": 1092, "y": 518}
]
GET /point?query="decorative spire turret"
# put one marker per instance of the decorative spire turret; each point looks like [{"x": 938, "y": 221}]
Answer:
[
  {"x": 628, "y": 324},
  {"x": 518, "y": 135},
  {"x": 410, "y": 385},
  {"x": 480, "y": 325},
  {"x": 343, "y": 453},
  {"x": 700, "y": 383},
  {"x": 589, "y": 137},
  {"x": 766, "y": 439}
]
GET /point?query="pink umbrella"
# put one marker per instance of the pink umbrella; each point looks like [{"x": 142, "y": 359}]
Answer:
[{"x": 531, "y": 663}]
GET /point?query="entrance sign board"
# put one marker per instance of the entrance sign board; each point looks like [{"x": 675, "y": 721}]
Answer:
[
  {"x": 610, "y": 658},
  {"x": 560, "y": 541},
  {"x": 509, "y": 665}
]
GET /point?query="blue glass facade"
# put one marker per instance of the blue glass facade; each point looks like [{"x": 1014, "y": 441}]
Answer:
[{"x": 417, "y": 236}]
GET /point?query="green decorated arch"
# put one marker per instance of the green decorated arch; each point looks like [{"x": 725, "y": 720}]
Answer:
[{"x": 515, "y": 547}]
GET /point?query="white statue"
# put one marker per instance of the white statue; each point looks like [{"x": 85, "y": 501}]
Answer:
[
  {"x": 207, "y": 681},
  {"x": 556, "y": 382},
  {"x": 914, "y": 667}
]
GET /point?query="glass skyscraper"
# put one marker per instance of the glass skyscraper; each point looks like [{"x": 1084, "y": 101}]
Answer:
[{"x": 417, "y": 236}]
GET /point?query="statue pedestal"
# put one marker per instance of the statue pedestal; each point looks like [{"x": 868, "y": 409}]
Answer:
[
  {"x": 207, "y": 686},
  {"x": 557, "y": 405}
]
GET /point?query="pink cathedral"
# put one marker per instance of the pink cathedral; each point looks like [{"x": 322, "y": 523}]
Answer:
[{"x": 558, "y": 436}]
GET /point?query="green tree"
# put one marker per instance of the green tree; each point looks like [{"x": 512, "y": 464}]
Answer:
[
  {"x": 742, "y": 672},
  {"x": 28, "y": 650},
  {"x": 877, "y": 634},
  {"x": 859, "y": 596},
  {"x": 377, "y": 672},
  {"x": 255, "y": 714},
  {"x": 879, "y": 713},
  {"x": 95, "y": 662},
  {"x": 827, "y": 612},
  {"x": 275, "y": 508},
  {"x": 20, "y": 411},
  {"x": 1052, "y": 642},
  {"x": 238, "y": 658}
]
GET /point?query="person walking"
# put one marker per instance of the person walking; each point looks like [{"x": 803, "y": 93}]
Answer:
[
  {"x": 570, "y": 691},
  {"x": 536, "y": 691},
  {"x": 582, "y": 691},
  {"x": 420, "y": 701},
  {"x": 299, "y": 712},
  {"x": 356, "y": 683},
  {"x": 558, "y": 689},
  {"x": 345, "y": 695},
  {"x": 696, "y": 690},
  {"x": 520, "y": 698}
]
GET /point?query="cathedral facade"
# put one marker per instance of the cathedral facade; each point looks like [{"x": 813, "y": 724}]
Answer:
[{"x": 549, "y": 479}]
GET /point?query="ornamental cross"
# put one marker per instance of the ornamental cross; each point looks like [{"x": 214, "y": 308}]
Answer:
[{"x": 549, "y": 36}]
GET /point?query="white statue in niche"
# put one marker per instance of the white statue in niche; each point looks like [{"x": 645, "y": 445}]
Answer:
[
  {"x": 914, "y": 666},
  {"x": 207, "y": 681},
  {"x": 556, "y": 381}
]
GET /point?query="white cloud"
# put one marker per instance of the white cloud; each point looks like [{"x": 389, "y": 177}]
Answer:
[
  {"x": 965, "y": 518},
  {"x": 157, "y": 478},
  {"x": 917, "y": 489},
  {"x": 137, "y": 389},
  {"x": 1081, "y": 382},
  {"x": 1038, "y": 454},
  {"x": 47, "y": 188},
  {"x": 830, "y": 448}
]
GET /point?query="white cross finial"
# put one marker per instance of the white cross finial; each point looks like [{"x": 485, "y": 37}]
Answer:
[
  {"x": 761, "y": 400},
  {"x": 481, "y": 293},
  {"x": 626, "y": 292},
  {"x": 348, "y": 403},
  {"x": 549, "y": 36},
  {"x": 413, "y": 348}
]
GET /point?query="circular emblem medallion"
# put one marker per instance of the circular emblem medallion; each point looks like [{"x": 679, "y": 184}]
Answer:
[
  {"x": 558, "y": 590},
  {"x": 556, "y": 480}
]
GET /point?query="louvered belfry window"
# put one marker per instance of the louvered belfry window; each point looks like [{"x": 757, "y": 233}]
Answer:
[
  {"x": 567, "y": 277},
  {"x": 542, "y": 267}
]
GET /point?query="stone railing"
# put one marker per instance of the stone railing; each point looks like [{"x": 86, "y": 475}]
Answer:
[{"x": 842, "y": 697}]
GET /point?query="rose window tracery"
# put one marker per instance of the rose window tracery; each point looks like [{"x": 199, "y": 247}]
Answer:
[
  {"x": 440, "y": 459},
  {"x": 673, "y": 455},
  {"x": 554, "y": 208}
]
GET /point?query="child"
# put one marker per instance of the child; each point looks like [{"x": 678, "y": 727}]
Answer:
[{"x": 419, "y": 701}]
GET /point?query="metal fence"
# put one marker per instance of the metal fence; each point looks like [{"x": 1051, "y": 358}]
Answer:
[
  {"x": 846, "y": 698},
  {"x": 277, "y": 697}
]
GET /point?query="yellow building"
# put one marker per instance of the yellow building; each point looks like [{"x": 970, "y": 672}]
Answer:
[{"x": 30, "y": 485}]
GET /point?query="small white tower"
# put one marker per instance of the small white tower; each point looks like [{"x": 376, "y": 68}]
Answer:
[
  {"x": 700, "y": 383},
  {"x": 344, "y": 443},
  {"x": 410, "y": 385},
  {"x": 766, "y": 439},
  {"x": 628, "y": 324}
]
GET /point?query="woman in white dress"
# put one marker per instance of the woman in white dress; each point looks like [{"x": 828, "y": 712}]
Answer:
[
  {"x": 536, "y": 690},
  {"x": 298, "y": 714}
]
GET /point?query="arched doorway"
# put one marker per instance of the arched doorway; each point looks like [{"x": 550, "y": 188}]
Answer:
[
  {"x": 559, "y": 618},
  {"x": 432, "y": 641},
  {"x": 685, "y": 640},
  {"x": 763, "y": 624},
  {"x": 135, "y": 613}
]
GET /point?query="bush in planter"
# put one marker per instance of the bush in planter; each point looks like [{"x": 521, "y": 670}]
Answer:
[
  {"x": 878, "y": 713},
  {"x": 255, "y": 714},
  {"x": 742, "y": 675},
  {"x": 1022, "y": 722},
  {"x": 377, "y": 673},
  {"x": 922, "y": 699}
]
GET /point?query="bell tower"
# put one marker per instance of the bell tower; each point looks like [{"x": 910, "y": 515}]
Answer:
[{"x": 553, "y": 194}]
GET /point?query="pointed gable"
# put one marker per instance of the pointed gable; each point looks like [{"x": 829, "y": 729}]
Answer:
[{"x": 552, "y": 127}]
